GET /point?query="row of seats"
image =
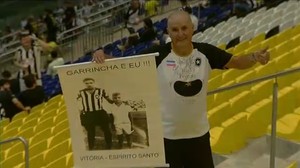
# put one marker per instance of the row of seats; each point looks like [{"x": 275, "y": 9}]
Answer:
[
  {"x": 235, "y": 118},
  {"x": 46, "y": 128}
]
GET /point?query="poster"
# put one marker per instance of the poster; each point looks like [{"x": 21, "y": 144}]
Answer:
[{"x": 113, "y": 111}]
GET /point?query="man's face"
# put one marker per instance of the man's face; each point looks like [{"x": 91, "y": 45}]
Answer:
[
  {"x": 135, "y": 4},
  {"x": 117, "y": 98},
  {"x": 89, "y": 84},
  {"x": 26, "y": 41},
  {"x": 6, "y": 86},
  {"x": 180, "y": 29}
]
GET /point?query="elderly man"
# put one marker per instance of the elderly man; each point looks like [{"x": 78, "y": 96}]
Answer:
[{"x": 183, "y": 69}]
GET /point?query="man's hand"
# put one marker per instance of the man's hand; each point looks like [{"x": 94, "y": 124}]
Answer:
[
  {"x": 27, "y": 108},
  {"x": 99, "y": 56},
  {"x": 33, "y": 37},
  {"x": 262, "y": 56}
]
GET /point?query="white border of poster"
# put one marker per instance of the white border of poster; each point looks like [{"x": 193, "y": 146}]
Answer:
[{"x": 89, "y": 88}]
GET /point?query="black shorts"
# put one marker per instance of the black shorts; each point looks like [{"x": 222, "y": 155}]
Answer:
[
  {"x": 94, "y": 118},
  {"x": 189, "y": 153}
]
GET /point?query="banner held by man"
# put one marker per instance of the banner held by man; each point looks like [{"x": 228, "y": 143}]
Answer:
[{"x": 113, "y": 111}]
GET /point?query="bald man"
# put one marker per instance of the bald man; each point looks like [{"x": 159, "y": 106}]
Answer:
[{"x": 183, "y": 69}]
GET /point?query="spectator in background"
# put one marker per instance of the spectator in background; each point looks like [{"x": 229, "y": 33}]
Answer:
[
  {"x": 184, "y": 4},
  {"x": 51, "y": 25},
  {"x": 193, "y": 18},
  {"x": 56, "y": 61},
  {"x": 14, "y": 83},
  {"x": 132, "y": 18},
  {"x": 148, "y": 34},
  {"x": 151, "y": 7},
  {"x": 70, "y": 15},
  {"x": 27, "y": 57},
  {"x": 9, "y": 102},
  {"x": 34, "y": 94}
]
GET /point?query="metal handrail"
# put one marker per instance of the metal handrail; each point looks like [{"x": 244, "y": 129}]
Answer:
[
  {"x": 267, "y": 77},
  {"x": 26, "y": 147},
  {"x": 274, "y": 103}
]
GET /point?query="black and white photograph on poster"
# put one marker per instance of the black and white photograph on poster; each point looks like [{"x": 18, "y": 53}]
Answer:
[
  {"x": 116, "y": 124},
  {"x": 114, "y": 112}
]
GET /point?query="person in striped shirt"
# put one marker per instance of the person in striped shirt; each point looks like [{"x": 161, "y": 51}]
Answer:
[
  {"x": 92, "y": 112},
  {"x": 28, "y": 56}
]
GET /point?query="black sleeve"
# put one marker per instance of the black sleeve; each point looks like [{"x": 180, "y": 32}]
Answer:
[
  {"x": 163, "y": 51},
  {"x": 217, "y": 57}
]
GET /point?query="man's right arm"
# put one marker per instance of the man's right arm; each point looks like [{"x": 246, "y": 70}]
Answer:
[{"x": 19, "y": 104}]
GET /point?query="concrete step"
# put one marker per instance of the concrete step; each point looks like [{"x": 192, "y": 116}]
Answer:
[{"x": 264, "y": 162}]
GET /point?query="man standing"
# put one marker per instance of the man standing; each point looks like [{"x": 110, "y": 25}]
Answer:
[
  {"x": 183, "y": 89},
  {"x": 92, "y": 113},
  {"x": 28, "y": 56}
]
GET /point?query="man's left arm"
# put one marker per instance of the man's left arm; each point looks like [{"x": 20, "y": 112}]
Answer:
[
  {"x": 248, "y": 60},
  {"x": 105, "y": 95},
  {"x": 46, "y": 47}
]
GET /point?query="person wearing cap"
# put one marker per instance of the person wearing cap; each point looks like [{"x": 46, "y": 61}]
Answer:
[
  {"x": 28, "y": 56},
  {"x": 9, "y": 102}
]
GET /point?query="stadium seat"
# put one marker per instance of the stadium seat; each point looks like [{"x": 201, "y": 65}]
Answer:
[
  {"x": 268, "y": 69},
  {"x": 14, "y": 124},
  {"x": 231, "y": 136},
  {"x": 261, "y": 90},
  {"x": 60, "y": 137},
  {"x": 240, "y": 101},
  {"x": 59, "y": 162},
  {"x": 61, "y": 125},
  {"x": 56, "y": 98},
  {"x": 286, "y": 101},
  {"x": 37, "y": 160},
  {"x": 3, "y": 123},
  {"x": 296, "y": 41},
  {"x": 258, "y": 38},
  {"x": 283, "y": 48},
  {"x": 13, "y": 160},
  {"x": 270, "y": 42},
  {"x": 259, "y": 117},
  {"x": 43, "y": 124},
  {"x": 288, "y": 127},
  {"x": 214, "y": 82},
  {"x": 223, "y": 109},
  {"x": 20, "y": 115},
  {"x": 293, "y": 165},
  {"x": 70, "y": 160},
  {"x": 42, "y": 135},
  {"x": 9, "y": 133},
  {"x": 57, "y": 151},
  {"x": 241, "y": 47},
  {"x": 29, "y": 123},
  {"x": 26, "y": 133},
  {"x": 60, "y": 117},
  {"x": 17, "y": 147},
  {"x": 38, "y": 148}
]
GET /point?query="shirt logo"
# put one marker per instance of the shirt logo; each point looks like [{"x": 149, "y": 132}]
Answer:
[
  {"x": 198, "y": 62},
  {"x": 171, "y": 63}
]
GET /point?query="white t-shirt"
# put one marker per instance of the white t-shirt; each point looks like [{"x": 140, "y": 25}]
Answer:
[
  {"x": 194, "y": 21},
  {"x": 183, "y": 88},
  {"x": 121, "y": 113},
  {"x": 51, "y": 70}
]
